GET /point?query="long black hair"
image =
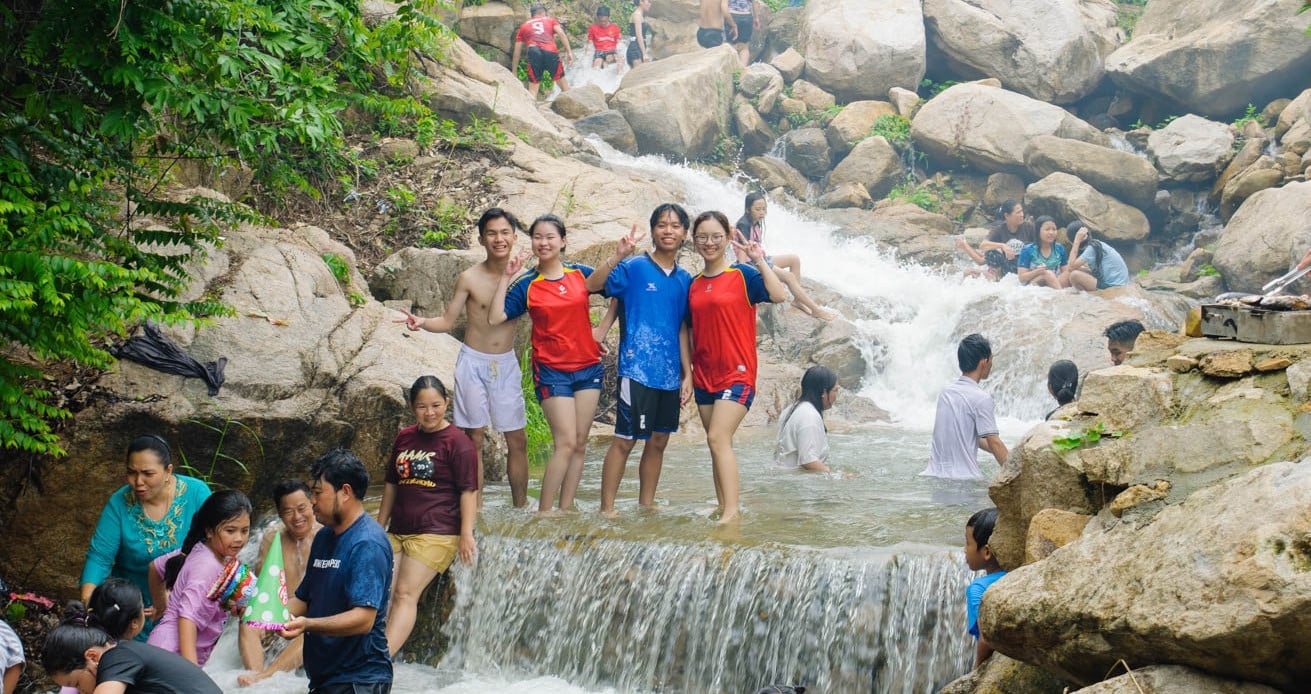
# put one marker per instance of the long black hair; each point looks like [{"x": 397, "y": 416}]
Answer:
[
  {"x": 219, "y": 507},
  {"x": 66, "y": 645},
  {"x": 817, "y": 381},
  {"x": 1099, "y": 252},
  {"x": 1063, "y": 381},
  {"x": 114, "y": 606}
]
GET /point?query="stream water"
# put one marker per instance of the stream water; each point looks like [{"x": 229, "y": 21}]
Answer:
[{"x": 842, "y": 584}]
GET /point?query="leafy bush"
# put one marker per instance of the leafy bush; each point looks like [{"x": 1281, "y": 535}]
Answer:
[
  {"x": 1251, "y": 115},
  {"x": 930, "y": 196},
  {"x": 101, "y": 100},
  {"x": 893, "y": 128}
]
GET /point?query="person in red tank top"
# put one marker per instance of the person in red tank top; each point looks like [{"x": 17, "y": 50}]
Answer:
[
  {"x": 721, "y": 309},
  {"x": 566, "y": 359}
]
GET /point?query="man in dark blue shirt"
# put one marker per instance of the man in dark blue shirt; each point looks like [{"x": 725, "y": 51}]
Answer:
[{"x": 341, "y": 603}]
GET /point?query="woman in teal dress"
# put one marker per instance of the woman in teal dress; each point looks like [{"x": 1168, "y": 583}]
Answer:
[{"x": 143, "y": 519}]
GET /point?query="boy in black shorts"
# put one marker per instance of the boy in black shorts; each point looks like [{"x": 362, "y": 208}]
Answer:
[
  {"x": 538, "y": 34},
  {"x": 604, "y": 37},
  {"x": 714, "y": 27},
  {"x": 746, "y": 17}
]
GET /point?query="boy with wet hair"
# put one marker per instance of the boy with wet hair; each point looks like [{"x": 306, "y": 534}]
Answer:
[
  {"x": 965, "y": 419},
  {"x": 979, "y": 557},
  {"x": 487, "y": 375},
  {"x": 604, "y": 37},
  {"x": 1120, "y": 339}
]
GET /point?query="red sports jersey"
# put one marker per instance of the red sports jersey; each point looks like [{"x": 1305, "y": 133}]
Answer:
[
  {"x": 562, "y": 324},
  {"x": 723, "y": 315},
  {"x": 540, "y": 32},
  {"x": 604, "y": 39}
]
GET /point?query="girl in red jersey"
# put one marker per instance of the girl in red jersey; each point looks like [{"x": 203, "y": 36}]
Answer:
[
  {"x": 721, "y": 309},
  {"x": 566, "y": 359}
]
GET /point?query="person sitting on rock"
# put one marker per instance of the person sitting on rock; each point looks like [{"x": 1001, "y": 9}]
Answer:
[
  {"x": 1006, "y": 237},
  {"x": 538, "y": 34},
  {"x": 1042, "y": 263},
  {"x": 979, "y": 557},
  {"x": 1120, "y": 339},
  {"x": 1062, "y": 383},
  {"x": 787, "y": 267},
  {"x": 604, "y": 37},
  {"x": 1094, "y": 265}
]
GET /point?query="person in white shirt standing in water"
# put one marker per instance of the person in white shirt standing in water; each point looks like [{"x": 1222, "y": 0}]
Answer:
[{"x": 965, "y": 419}]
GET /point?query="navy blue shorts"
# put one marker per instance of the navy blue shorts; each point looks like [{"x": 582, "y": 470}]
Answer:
[
  {"x": 553, "y": 383},
  {"x": 739, "y": 393},
  {"x": 642, "y": 411}
]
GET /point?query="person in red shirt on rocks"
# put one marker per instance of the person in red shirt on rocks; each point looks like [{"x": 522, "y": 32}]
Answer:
[
  {"x": 538, "y": 35},
  {"x": 604, "y": 37}
]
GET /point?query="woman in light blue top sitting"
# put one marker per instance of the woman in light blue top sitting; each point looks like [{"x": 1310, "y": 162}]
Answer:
[
  {"x": 143, "y": 519},
  {"x": 1042, "y": 263},
  {"x": 1096, "y": 265}
]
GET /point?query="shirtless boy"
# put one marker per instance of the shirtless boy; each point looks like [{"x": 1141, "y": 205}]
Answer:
[
  {"x": 487, "y": 376},
  {"x": 292, "y": 500},
  {"x": 714, "y": 27}
]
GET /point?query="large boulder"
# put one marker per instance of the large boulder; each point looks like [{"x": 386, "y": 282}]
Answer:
[
  {"x": 1051, "y": 50},
  {"x": 853, "y": 124},
  {"x": 1066, "y": 197},
  {"x": 1219, "y": 582},
  {"x": 611, "y": 126},
  {"x": 874, "y": 165},
  {"x": 491, "y": 27},
  {"x": 1173, "y": 679},
  {"x": 679, "y": 106},
  {"x": 1127, "y": 176},
  {"x": 756, "y": 134},
  {"x": 1191, "y": 148},
  {"x": 858, "y": 49},
  {"x": 806, "y": 149},
  {"x": 580, "y": 102},
  {"x": 773, "y": 173},
  {"x": 1265, "y": 237},
  {"x": 990, "y": 128},
  {"x": 1214, "y": 57},
  {"x": 902, "y": 227}
]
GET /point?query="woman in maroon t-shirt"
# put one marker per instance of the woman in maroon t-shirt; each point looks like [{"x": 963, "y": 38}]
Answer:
[{"x": 429, "y": 503}]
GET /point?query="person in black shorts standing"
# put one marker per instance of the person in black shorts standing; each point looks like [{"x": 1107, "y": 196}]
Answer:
[
  {"x": 746, "y": 17},
  {"x": 714, "y": 27},
  {"x": 538, "y": 34},
  {"x": 640, "y": 34}
]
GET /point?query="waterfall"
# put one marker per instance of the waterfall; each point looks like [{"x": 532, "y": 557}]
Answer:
[{"x": 707, "y": 617}]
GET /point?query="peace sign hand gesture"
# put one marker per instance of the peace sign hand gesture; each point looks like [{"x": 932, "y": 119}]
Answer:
[
  {"x": 628, "y": 242},
  {"x": 410, "y": 320},
  {"x": 515, "y": 264},
  {"x": 750, "y": 249}
]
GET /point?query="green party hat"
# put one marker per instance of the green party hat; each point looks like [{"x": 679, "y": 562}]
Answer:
[{"x": 268, "y": 609}]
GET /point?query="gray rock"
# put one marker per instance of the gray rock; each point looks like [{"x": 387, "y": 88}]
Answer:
[
  {"x": 1217, "y": 582},
  {"x": 492, "y": 25},
  {"x": 1265, "y": 237},
  {"x": 1051, "y": 50},
  {"x": 816, "y": 99},
  {"x": 842, "y": 38},
  {"x": 1263, "y": 173},
  {"x": 612, "y": 127},
  {"x": 873, "y": 164},
  {"x": 845, "y": 195},
  {"x": 757, "y": 77},
  {"x": 905, "y": 101},
  {"x": 1001, "y": 187},
  {"x": 990, "y": 128},
  {"x": 1191, "y": 148},
  {"x": 757, "y": 137},
  {"x": 1127, "y": 176},
  {"x": 1065, "y": 197},
  {"x": 789, "y": 63},
  {"x": 773, "y": 173},
  {"x": 853, "y": 124},
  {"x": 1173, "y": 679},
  {"x": 580, "y": 102},
  {"x": 680, "y": 105},
  {"x": 806, "y": 149},
  {"x": 1212, "y": 57}
]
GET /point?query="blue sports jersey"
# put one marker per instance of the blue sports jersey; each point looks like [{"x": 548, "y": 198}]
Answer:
[{"x": 652, "y": 308}]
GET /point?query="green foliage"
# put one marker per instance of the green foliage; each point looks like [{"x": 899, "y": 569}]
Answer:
[
  {"x": 929, "y": 195},
  {"x": 1251, "y": 115},
  {"x": 929, "y": 89},
  {"x": 448, "y": 223},
  {"x": 726, "y": 149},
  {"x": 100, "y": 100},
  {"x": 538, "y": 430},
  {"x": 521, "y": 71},
  {"x": 228, "y": 427},
  {"x": 1127, "y": 13},
  {"x": 1087, "y": 437},
  {"x": 893, "y": 128},
  {"x": 1306, "y": 5},
  {"x": 15, "y": 612},
  {"x": 1207, "y": 270},
  {"x": 340, "y": 269},
  {"x": 777, "y": 5}
]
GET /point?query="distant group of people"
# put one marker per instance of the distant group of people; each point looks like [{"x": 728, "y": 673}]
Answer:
[
  {"x": 536, "y": 38},
  {"x": 1043, "y": 255}
]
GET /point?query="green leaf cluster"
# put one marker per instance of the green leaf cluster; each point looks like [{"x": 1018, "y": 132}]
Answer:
[
  {"x": 101, "y": 100},
  {"x": 893, "y": 128},
  {"x": 1087, "y": 437}
]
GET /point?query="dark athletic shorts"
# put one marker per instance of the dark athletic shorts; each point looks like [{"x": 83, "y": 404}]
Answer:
[
  {"x": 634, "y": 52},
  {"x": 351, "y": 688},
  {"x": 709, "y": 38},
  {"x": 553, "y": 383},
  {"x": 744, "y": 27},
  {"x": 739, "y": 393},
  {"x": 602, "y": 55},
  {"x": 643, "y": 411},
  {"x": 543, "y": 62}
]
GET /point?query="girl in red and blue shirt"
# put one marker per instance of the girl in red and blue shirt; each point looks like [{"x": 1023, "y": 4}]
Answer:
[
  {"x": 721, "y": 310},
  {"x": 566, "y": 359}
]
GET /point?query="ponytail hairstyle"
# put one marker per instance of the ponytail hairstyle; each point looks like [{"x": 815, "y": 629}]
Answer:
[
  {"x": 66, "y": 645},
  {"x": 817, "y": 381},
  {"x": 153, "y": 443},
  {"x": 1063, "y": 381},
  {"x": 115, "y": 606},
  {"x": 219, "y": 507},
  {"x": 1006, "y": 208},
  {"x": 424, "y": 383},
  {"x": 553, "y": 220}
]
